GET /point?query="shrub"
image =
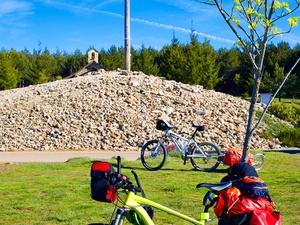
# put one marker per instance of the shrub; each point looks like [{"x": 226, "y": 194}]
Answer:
[
  {"x": 290, "y": 137},
  {"x": 286, "y": 111}
]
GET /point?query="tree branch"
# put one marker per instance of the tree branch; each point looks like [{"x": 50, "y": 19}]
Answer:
[
  {"x": 223, "y": 13},
  {"x": 249, "y": 21},
  {"x": 274, "y": 95},
  {"x": 205, "y": 2},
  {"x": 286, "y": 14},
  {"x": 284, "y": 32}
]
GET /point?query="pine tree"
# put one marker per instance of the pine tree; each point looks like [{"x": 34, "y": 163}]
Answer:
[
  {"x": 172, "y": 62},
  {"x": 144, "y": 60},
  {"x": 112, "y": 59},
  {"x": 201, "y": 64},
  {"x": 9, "y": 75}
]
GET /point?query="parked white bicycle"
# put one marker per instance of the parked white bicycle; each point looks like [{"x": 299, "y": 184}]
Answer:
[{"x": 203, "y": 155}]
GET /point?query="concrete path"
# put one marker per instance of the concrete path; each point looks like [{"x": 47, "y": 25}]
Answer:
[{"x": 36, "y": 156}]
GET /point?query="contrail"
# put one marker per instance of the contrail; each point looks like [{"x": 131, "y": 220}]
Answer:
[
  {"x": 181, "y": 29},
  {"x": 137, "y": 20}
]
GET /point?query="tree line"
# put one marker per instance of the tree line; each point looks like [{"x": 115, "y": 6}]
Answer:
[{"x": 225, "y": 70}]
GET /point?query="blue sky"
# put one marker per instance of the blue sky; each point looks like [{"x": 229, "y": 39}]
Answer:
[{"x": 69, "y": 25}]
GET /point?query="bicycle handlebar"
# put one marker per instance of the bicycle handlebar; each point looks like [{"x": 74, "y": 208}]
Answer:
[{"x": 120, "y": 181}]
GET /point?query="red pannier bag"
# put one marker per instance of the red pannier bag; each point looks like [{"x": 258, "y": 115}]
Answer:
[
  {"x": 233, "y": 156},
  {"x": 231, "y": 202},
  {"x": 101, "y": 189},
  {"x": 226, "y": 199},
  {"x": 261, "y": 217}
]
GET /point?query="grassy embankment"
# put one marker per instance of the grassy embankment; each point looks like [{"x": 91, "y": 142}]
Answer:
[
  {"x": 288, "y": 110},
  {"x": 59, "y": 193}
]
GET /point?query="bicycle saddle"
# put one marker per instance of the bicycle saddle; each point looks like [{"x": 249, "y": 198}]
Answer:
[
  {"x": 199, "y": 127},
  {"x": 215, "y": 187},
  {"x": 164, "y": 125}
]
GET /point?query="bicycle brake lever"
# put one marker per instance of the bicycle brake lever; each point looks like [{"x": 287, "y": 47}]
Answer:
[{"x": 138, "y": 183}]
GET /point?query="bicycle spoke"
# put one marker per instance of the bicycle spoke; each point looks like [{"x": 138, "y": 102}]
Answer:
[
  {"x": 205, "y": 156},
  {"x": 153, "y": 155}
]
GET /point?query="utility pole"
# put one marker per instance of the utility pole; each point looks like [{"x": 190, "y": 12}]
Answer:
[{"x": 127, "y": 35}]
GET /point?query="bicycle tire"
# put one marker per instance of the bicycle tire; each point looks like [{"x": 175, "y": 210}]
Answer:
[
  {"x": 157, "y": 159},
  {"x": 210, "y": 163},
  {"x": 259, "y": 159}
]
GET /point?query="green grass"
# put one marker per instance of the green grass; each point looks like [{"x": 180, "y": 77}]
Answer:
[{"x": 59, "y": 193}]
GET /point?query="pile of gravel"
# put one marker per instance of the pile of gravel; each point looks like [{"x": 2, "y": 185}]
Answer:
[{"x": 110, "y": 111}]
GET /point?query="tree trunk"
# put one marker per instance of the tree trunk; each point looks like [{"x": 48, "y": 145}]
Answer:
[{"x": 251, "y": 116}]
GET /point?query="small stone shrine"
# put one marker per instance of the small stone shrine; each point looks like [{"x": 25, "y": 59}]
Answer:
[{"x": 92, "y": 67}]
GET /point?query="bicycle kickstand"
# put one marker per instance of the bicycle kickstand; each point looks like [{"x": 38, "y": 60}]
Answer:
[{"x": 185, "y": 158}]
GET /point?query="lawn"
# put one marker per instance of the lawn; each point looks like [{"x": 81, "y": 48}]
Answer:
[{"x": 59, "y": 193}]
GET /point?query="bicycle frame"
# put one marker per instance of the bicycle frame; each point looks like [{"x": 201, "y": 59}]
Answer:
[
  {"x": 182, "y": 149},
  {"x": 135, "y": 202}
]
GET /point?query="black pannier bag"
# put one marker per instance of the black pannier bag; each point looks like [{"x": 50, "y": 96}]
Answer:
[{"x": 101, "y": 189}]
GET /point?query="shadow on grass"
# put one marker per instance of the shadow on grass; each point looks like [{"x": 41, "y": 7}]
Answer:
[
  {"x": 97, "y": 224},
  {"x": 171, "y": 169}
]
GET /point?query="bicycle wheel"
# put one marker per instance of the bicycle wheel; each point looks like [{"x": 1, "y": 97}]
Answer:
[
  {"x": 207, "y": 162},
  {"x": 259, "y": 159},
  {"x": 153, "y": 155}
]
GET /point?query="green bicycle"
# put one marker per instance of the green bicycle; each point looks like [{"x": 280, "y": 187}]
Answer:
[{"x": 138, "y": 210}]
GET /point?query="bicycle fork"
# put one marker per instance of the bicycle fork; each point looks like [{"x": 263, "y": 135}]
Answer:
[
  {"x": 157, "y": 150},
  {"x": 119, "y": 217}
]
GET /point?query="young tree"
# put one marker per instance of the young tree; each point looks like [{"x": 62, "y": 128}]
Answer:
[{"x": 254, "y": 22}]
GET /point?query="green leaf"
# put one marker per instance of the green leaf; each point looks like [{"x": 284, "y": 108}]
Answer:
[
  {"x": 252, "y": 25},
  {"x": 258, "y": 2},
  {"x": 267, "y": 23},
  {"x": 236, "y": 21},
  {"x": 276, "y": 31},
  {"x": 250, "y": 11},
  {"x": 293, "y": 21},
  {"x": 238, "y": 7}
]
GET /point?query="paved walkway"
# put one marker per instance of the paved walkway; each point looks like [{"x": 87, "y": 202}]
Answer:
[{"x": 36, "y": 156}]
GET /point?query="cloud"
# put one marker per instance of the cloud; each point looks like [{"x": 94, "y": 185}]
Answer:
[
  {"x": 14, "y": 7},
  {"x": 181, "y": 29},
  {"x": 293, "y": 39},
  {"x": 83, "y": 9},
  {"x": 190, "y": 6},
  {"x": 13, "y": 16},
  {"x": 107, "y": 2}
]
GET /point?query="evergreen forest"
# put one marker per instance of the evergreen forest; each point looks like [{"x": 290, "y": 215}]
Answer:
[{"x": 225, "y": 70}]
